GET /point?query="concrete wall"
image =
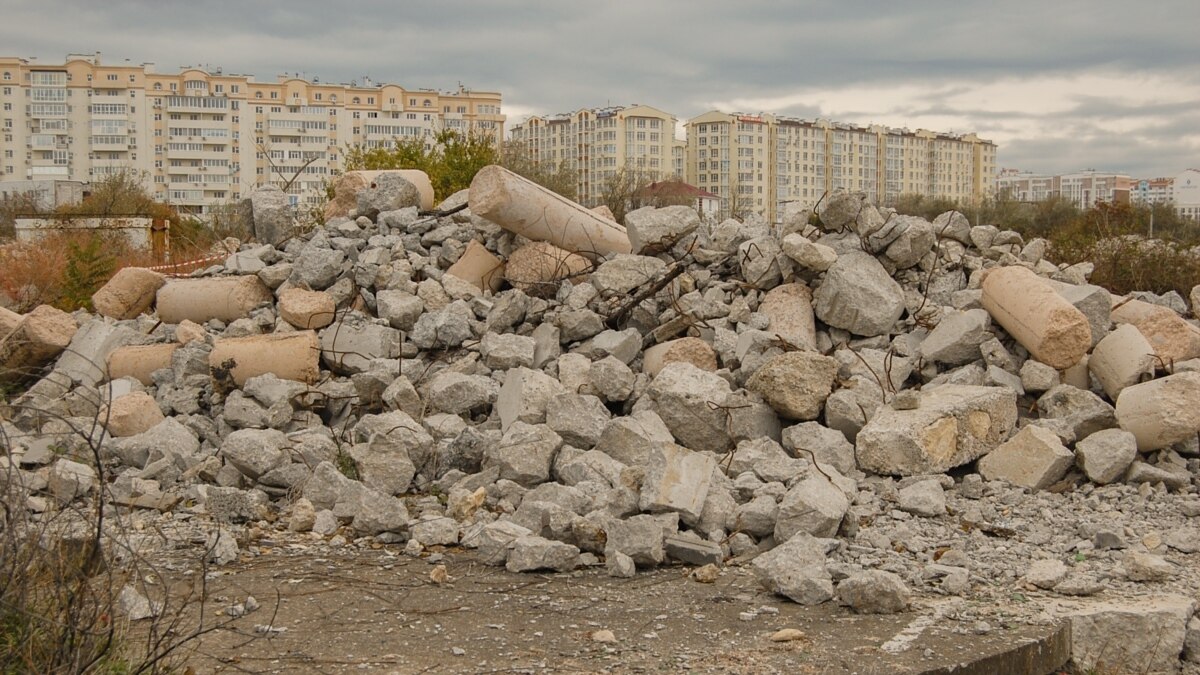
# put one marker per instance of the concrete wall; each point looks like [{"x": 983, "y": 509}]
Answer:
[{"x": 137, "y": 230}]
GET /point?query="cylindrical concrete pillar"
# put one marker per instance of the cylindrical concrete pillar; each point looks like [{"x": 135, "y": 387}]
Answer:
[
  {"x": 290, "y": 356},
  {"x": 138, "y": 361},
  {"x": 1052, "y": 329},
  {"x": 129, "y": 293},
  {"x": 224, "y": 298},
  {"x": 1161, "y": 412},
  {"x": 521, "y": 206}
]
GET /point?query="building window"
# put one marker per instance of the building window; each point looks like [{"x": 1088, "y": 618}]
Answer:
[
  {"x": 112, "y": 77},
  {"x": 7, "y": 75}
]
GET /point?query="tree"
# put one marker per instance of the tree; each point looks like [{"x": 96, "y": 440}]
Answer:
[
  {"x": 13, "y": 205},
  {"x": 450, "y": 157},
  {"x": 620, "y": 190},
  {"x": 558, "y": 177},
  {"x": 119, "y": 194}
]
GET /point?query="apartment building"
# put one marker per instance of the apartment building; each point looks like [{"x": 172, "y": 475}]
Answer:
[
  {"x": 202, "y": 137},
  {"x": 1151, "y": 191},
  {"x": 760, "y": 163},
  {"x": 599, "y": 142},
  {"x": 1082, "y": 188}
]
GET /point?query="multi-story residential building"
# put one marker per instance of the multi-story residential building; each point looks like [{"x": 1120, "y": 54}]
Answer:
[
  {"x": 1083, "y": 188},
  {"x": 1151, "y": 191},
  {"x": 760, "y": 163},
  {"x": 599, "y": 142},
  {"x": 202, "y": 137}
]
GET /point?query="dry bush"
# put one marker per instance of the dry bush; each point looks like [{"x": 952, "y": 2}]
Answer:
[{"x": 64, "y": 566}]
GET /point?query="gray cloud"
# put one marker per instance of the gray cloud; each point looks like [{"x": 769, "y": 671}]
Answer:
[{"x": 683, "y": 56}]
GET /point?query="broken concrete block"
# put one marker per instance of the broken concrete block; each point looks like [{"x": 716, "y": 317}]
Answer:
[
  {"x": 129, "y": 293},
  {"x": 956, "y": 339},
  {"x": 629, "y": 439},
  {"x": 677, "y": 481},
  {"x": 795, "y": 384},
  {"x": 690, "y": 549},
  {"x": 504, "y": 351},
  {"x": 289, "y": 356},
  {"x": 858, "y": 295},
  {"x": 639, "y": 537},
  {"x": 530, "y": 553},
  {"x": 347, "y": 186},
  {"x": 873, "y": 592},
  {"x": 539, "y": 267},
  {"x": 1033, "y": 458},
  {"x": 1037, "y": 377},
  {"x": 458, "y": 394},
  {"x": 138, "y": 361},
  {"x": 814, "y": 442},
  {"x": 530, "y": 210},
  {"x": 1161, "y": 412},
  {"x": 1141, "y": 636},
  {"x": 924, "y": 498},
  {"x": 68, "y": 480},
  {"x": 625, "y": 274},
  {"x": 1124, "y": 357},
  {"x": 954, "y": 424},
  {"x": 525, "y": 454},
  {"x": 524, "y": 396},
  {"x": 479, "y": 267},
  {"x": 41, "y": 335},
  {"x": 688, "y": 400},
  {"x": 132, "y": 414},
  {"x": 789, "y": 307},
  {"x": 254, "y": 452},
  {"x": 796, "y": 570},
  {"x": 687, "y": 350},
  {"x": 349, "y": 346},
  {"x": 815, "y": 506},
  {"x": 200, "y": 300},
  {"x": 808, "y": 254},
  {"x": 306, "y": 310},
  {"x": 1086, "y": 412},
  {"x": 1105, "y": 455},
  {"x": 578, "y": 418},
  {"x": 1052, "y": 329},
  {"x": 655, "y": 230},
  {"x": 387, "y": 192},
  {"x": 496, "y": 540},
  {"x": 1173, "y": 338}
]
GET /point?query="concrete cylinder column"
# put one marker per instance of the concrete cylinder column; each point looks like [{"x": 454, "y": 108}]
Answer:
[
  {"x": 521, "y": 206},
  {"x": 1052, "y": 329},
  {"x": 199, "y": 300},
  {"x": 290, "y": 356}
]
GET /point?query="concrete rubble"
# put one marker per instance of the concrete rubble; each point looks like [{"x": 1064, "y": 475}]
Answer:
[{"x": 854, "y": 407}]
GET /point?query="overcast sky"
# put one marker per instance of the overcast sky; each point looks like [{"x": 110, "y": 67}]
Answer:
[{"x": 1058, "y": 85}]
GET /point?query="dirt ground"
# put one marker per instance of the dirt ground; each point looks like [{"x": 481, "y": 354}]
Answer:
[{"x": 378, "y": 611}]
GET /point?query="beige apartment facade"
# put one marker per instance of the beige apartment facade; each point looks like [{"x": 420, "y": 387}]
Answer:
[
  {"x": 203, "y": 138},
  {"x": 762, "y": 163},
  {"x": 597, "y": 143}
]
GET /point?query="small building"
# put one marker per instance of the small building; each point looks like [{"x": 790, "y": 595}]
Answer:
[{"x": 676, "y": 192}]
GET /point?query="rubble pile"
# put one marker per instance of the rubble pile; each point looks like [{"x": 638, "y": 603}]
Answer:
[{"x": 859, "y": 404}]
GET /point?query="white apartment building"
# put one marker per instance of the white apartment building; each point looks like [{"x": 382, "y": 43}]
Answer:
[
  {"x": 203, "y": 138},
  {"x": 1185, "y": 194},
  {"x": 1082, "y": 188},
  {"x": 599, "y": 142}
]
